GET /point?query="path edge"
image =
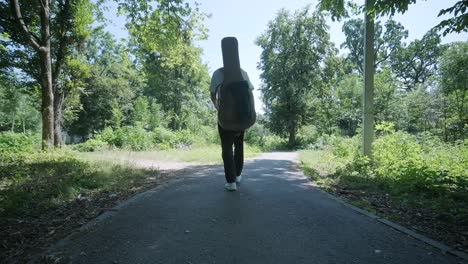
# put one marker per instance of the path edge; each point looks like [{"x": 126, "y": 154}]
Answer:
[
  {"x": 439, "y": 245},
  {"x": 100, "y": 218}
]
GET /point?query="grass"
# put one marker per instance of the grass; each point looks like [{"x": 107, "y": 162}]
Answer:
[
  {"x": 199, "y": 154},
  {"x": 327, "y": 171},
  {"x": 364, "y": 204},
  {"x": 322, "y": 161},
  {"x": 33, "y": 182}
]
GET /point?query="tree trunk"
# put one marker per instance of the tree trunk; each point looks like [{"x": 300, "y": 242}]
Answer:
[
  {"x": 42, "y": 46},
  {"x": 292, "y": 135},
  {"x": 47, "y": 99},
  {"x": 368, "y": 94},
  {"x": 59, "y": 98},
  {"x": 46, "y": 79}
]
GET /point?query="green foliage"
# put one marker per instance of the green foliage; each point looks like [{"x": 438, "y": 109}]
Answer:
[
  {"x": 93, "y": 144},
  {"x": 349, "y": 99},
  {"x": 141, "y": 113},
  {"x": 110, "y": 89},
  {"x": 163, "y": 137},
  {"x": 404, "y": 163},
  {"x": 457, "y": 23},
  {"x": 417, "y": 62},
  {"x": 386, "y": 42},
  {"x": 294, "y": 45},
  {"x": 307, "y": 136},
  {"x": 18, "y": 106},
  {"x": 177, "y": 80},
  {"x": 454, "y": 84},
  {"x": 18, "y": 142},
  {"x": 157, "y": 117},
  {"x": 135, "y": 138}
]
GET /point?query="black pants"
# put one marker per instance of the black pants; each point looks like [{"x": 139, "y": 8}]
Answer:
[{"x": 233, "y": 164}]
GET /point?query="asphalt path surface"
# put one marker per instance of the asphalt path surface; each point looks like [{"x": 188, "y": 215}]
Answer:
[{"x": 276, "y": 216}]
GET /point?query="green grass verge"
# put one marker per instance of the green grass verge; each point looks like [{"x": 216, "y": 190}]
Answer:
[{"x": 33, "y": 182}]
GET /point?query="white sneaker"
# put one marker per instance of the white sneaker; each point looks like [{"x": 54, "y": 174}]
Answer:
[
  {"x": 230, "y": 186},
  {"x": 239, "y": 179}
]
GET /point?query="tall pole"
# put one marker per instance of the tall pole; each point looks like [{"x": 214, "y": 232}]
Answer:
[{"x": 368, "y": 94}]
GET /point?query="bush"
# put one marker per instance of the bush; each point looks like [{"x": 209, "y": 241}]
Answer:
[
  {"x": 131, "y": 137},
  {"x": 207, "y": 135},
  {"x": 107, "y": 135},
  {"x": 135, "y": 138},
  {"x": 307, "y": 136},
  {"x": 256, "y": 135},
  {"x": 162, "y": 135},
  {"x": 183, "y": 138},
  {"x": 19, "y": 142},
  {"x": 93, "y": 144},
  {"x": 343, "y": 147},
  {"x": 398, "y": 156},
  {"x": 406, "y": 163}
]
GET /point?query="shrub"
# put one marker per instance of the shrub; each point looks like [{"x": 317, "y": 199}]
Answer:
[
  {"x": 307, "y": 136},
  {"x": 135, "y": 138},
  {"x": 397, "y": 156},
  {"x": 256, "y": 135},
  {"x": 207, "y": 135},
  {"x": 93, "y": 144},
  {"x": 107, "y": 135},
  {"x": 183, "y": 138},
  {"x": 406, "y": 163},
  {"x": 162, "y": 138},
  {"x": 18, "y": 142},
  {"x": 343, "y": 147},
  {"x": 131, "y": 137}
]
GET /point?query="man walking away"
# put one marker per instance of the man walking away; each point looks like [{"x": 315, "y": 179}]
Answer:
[{"x": 231, "y": 94}]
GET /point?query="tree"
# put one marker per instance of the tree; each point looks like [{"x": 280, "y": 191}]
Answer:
[
  {"x": 15, "y": 22},
  {"x": 386, "y": 86},
  {"x": 39, "y": 47},
  {"x": 324, "y": 103},
  {"x": 373, "y": 8},
  {"x": 386, "y": 43},
  {"x": 294, "y": 48},
  {"x": 110, "y": 88},
  {"x": 141, "y": 114},
  {"x": 176, "y": 77},
  {"x": 414, "y": 64},
  {"x": 458, "y": 23},
  {"x": 18, "y": 111},
  {"x": 349, "y": 104},
  {"x": 454, "y": 82}
]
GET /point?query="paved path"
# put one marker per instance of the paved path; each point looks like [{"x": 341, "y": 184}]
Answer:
[{"x": 275, "y": 217}]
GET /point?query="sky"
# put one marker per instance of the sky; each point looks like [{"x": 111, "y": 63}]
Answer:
[{"x": 248, "y": 19}]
